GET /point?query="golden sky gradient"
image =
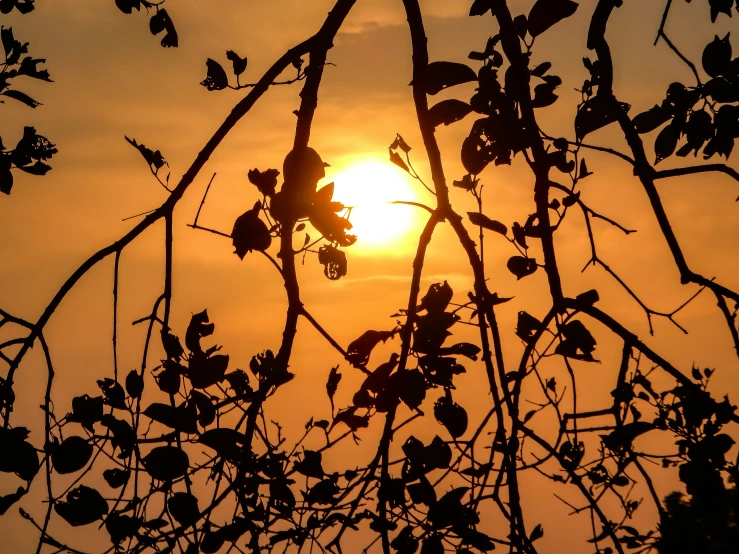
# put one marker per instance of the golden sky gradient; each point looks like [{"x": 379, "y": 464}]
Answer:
[{"x": 111, "y": 78}]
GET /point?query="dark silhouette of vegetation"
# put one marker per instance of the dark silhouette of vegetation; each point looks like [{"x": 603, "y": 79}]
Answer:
[{"x": 193, "y": 461}]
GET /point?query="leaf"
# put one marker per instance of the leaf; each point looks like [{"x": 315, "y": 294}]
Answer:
[
  {"x": 239, "y": 63},
  {"x": 666, "y": 142},
  {"x": 527, "y": 326},
  {"x": 224, "y": 441},
  {"x": 595, "y": 114},
  {"x": 359, "y": 350},
  {"x": 18, "y": 455},
  {"x": 485, "y": 222},
  {"x": 153, "y": 158},
  {"x": 648, "y": 121},
  {"x": 441, "y": 75},
  {"x": 183, "y": 507},
  {"x": 116, "y": 477},
  {"x": 538, "y": 531},
  {"x": 83, "y": 506},
  {"x": 310, "y": 465},
  {"x": 113, "y": 394},
  {"x": 521, "y": 267},
  {"x": 333, "y": 260},
  {"x": 437, "y": 298},
  {"x": 451, "y": 415},
  {"x": 250, "y": 233},
  {"x": 334, "y": 377},
  {"x": 481, "y": 7},
  {"x": 161, "y": 21},
  {"x": 546, "y": 13},
  {"x": 541, "y": 69},
  {"x": 410, "y": 386},
  {"x": 86, "y": 411},
  {"x": 466, "y": 349},
  {"x": 265, "y": 181},
  {"x": 216, "y": 78},
  {"x": 717, "y": 56},
  {"x": 166, "y": 463},
  {"x": 397, "y": 160},
  {"x": 448, "y": 111},
  {"x": 71, "y": 455},
  {"x": 21, "y": 97},
  {"x": 134, "y": 384},
  {"x": 206, "y": 371}
]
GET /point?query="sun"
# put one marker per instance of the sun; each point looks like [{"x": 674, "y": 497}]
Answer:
[{"x": 369, "y": 188}]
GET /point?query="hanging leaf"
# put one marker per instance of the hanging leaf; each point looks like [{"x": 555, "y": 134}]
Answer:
[
  {"x": 134, "y": 384},
  {"x": 485, "y": 222},
  {"x": 250, "y": 233},
  {"x": 265, "y": 181},
  {"x": 18, "y": 455},
  {"x": 166, "y": 463},
  {"x": 546, "y": 13},
  {"x": 521, "y": 267},
  {"x": 310, "y": 465},
  {"x": 334, "y": 377},
  {"x": 648, "y": 121},
  {"x": 441, "y": 75},
  {"x": 83, "y": 506},
  {"x": 451, "y": 415},
  {"x": 595, "y": 113},
  {"x": 161, "y": 22},
  {"x": 437, "y": 298},
  {"x": 71, "y": 455},
  {"x": 359, "y": 350},
  {"x": 183, "y": 507},
  {"x": 216, "y": 78},
  {"x": 717, "y": 56},
  {"x": 116, "y": 477},
  {"x": 239, "y": 63},
  {"x": 666, "y": 142},
  {"x": 448, "y": 111}
]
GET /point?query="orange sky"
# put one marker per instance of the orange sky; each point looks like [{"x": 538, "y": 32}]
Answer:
[{"x": 112, "y": 79}]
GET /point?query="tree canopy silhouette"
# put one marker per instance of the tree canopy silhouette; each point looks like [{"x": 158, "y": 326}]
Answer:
[{"x": 186, "y": 453}]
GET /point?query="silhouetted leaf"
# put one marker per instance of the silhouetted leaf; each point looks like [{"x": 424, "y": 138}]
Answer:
[
  {"x": 334, "y": 377},
  {"x": 166, "y": 463},
  {"x": 71, "y": 455},
  {"x": 16, "y": 454},
  {"x": 21, "y": 97},
  {"x": 480, "y": 7},
  {"x": 224, "y": 441},
  {"x": 546, "y": 13},
  {"x": 113, "y": 394},
  {"x": 216, "y": 78},
  {"x": 121, "y": 527},
  {"x": 265, "y": 181},
  {"x": 239, "y": 63},
  {"x": 716, "y": 56},
  {"x": 537, "y": 533},
  {"x": 448, "y": 112},
  {"x": 116, "y": 477},
  {"x": 451, "y": 415},
  {"x": 666, "y": 142},
  {"x": 333, "y": 261},
  {"x": 160, "y": 22},
  {"x": 86, "y": 411},
  {"x": 651, "y": 119},
  {"x": 183, "y": 507},
  {"x": 83, "y": 506},
  {"x": 404, "y": 542},
  {"x": 441, "y": 75},
  {"x": 7, "y": 501},
  {"x": 250, "y": 232},
  {"x": 594, "y": 114},
  {"x": 437, "y": 298},
  {"x": 134, "y": 384},
  {"x": 521, "y": 267},
  {"x": 310, "y": 465},
  {"x": 359, "y": 350},
  {"x": 410, "y": 387},
  {"x": 484, "y": 221},
  {"x": 527, "y": 326}
]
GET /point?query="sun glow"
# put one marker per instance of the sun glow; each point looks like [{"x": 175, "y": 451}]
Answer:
[{"x": 369, "y": 188}]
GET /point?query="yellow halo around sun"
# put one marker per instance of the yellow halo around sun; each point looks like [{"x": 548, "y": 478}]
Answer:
[{"x": 369, "y": 187}]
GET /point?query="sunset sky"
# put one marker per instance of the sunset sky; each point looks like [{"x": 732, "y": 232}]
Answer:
[{"x": 111, "y": 78}]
